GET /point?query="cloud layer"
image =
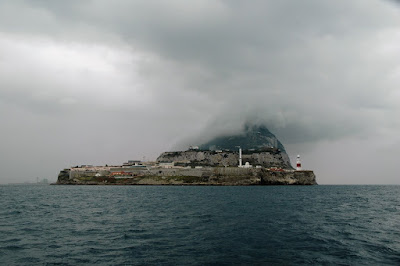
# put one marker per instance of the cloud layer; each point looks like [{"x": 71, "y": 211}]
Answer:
[{"x": 103, "y": 82}]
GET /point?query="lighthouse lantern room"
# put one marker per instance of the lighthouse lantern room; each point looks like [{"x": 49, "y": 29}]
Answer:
[{"x": 298, "y": 163}]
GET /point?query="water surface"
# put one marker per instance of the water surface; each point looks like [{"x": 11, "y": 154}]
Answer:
[{"x": 166, "y": 225}]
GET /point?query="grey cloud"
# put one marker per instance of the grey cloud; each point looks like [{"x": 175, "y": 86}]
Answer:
[{"x": 312, "y": 71}]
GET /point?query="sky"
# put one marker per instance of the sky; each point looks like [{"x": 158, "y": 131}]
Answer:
[{"x": 102, "y": 82}]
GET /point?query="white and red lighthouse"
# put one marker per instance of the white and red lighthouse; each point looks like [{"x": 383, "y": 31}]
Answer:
[{"x": 298, "y": 163}]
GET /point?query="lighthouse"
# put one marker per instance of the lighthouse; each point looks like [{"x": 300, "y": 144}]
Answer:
[
  {"x": 298, "y": 163},
  {"x": 240, "y": 157}
]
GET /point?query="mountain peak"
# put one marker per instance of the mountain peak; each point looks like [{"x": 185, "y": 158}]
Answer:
[{"x": 252, "y": 137}]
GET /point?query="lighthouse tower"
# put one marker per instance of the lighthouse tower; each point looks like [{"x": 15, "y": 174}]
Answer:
[
  {"x": 240, "y": 157},
  {"x": 298, "y": 163}
]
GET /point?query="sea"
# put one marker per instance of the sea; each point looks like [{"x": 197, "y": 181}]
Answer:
[{"x": 199, "y": 225}]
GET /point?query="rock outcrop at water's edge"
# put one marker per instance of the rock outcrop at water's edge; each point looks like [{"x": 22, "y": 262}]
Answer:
[{"x": 63, "y": 176}]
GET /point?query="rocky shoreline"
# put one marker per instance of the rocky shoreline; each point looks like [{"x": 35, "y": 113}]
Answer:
[{"x": 211, "y": 176}]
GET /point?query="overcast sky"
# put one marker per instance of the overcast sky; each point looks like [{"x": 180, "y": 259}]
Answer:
[{"x": 103, "y": 82}]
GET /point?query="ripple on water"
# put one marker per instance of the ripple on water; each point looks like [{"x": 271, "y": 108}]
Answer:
[{"x": 68, "y": 225}]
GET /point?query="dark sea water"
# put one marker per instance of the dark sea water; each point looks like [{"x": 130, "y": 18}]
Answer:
[{"x": 182, "y": 225}]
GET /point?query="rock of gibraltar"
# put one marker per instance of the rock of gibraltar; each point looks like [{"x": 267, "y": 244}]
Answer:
[{"x": 254, "y": 157}]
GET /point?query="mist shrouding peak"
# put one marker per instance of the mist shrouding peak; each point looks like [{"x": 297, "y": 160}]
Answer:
[{"x": 252, "y": 137}]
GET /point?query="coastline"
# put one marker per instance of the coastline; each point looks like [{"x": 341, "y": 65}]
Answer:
[{"x": 210, "y": 176}]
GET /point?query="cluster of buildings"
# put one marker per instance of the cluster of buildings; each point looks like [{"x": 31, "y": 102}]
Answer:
[{"x": 134, "y": 168}]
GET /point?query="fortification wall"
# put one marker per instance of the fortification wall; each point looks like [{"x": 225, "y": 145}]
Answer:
[{"x": 180, "y": 172}]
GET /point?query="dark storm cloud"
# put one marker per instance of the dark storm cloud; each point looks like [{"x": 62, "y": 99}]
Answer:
[{"x": 312, "y": 71}]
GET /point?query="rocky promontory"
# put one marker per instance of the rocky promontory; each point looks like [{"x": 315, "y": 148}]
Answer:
[
  {"x": 228, "y": 176},
  {"x": 255, "y": 157}
]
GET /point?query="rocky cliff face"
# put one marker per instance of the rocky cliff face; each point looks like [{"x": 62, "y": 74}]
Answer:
[
  {"x": 63, "y": 176},
  {"x": 287, "y": 178},
  {"x": 266, "y": 158},
  {"x": 253, "y": 137}
]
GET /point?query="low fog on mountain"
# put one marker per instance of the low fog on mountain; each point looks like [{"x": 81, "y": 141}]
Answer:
[{"x": 103, "y": 82}]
